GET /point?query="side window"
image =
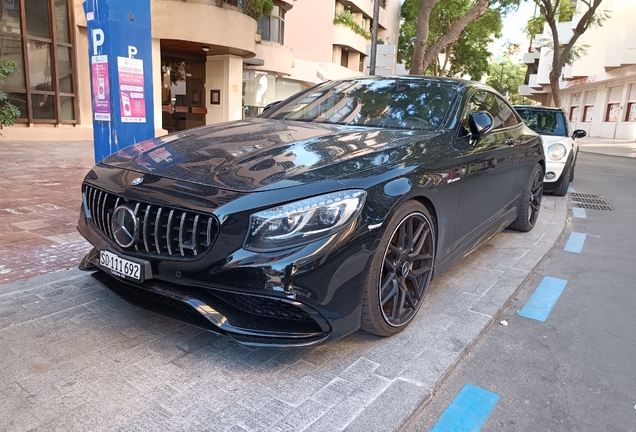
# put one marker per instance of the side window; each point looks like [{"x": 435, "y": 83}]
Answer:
[
  {"x": 507, "y": 114},
  {"x": 566, "y": 122},
  {"x": 476, "y": 103},
  {"x": 492, "y": 106}
]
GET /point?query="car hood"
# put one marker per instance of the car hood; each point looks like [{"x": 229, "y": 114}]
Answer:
[{"x": 264, "y": 154}]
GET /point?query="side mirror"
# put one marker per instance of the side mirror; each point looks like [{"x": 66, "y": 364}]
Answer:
[
  {"x": 480, "y": 123},
  {"x": 579, "y": 133},
  {"x": 268, "y": 106}
]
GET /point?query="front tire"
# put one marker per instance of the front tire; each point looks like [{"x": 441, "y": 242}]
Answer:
[
  {"x": 562, "y": 190},
  {"x": 530, "y": 202},
  {"x": 400, "y": 271}
]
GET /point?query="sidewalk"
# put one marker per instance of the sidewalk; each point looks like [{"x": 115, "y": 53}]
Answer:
[
  {"x": 39, "y": 206},
  {"x": 76, "y": 357},
  {"x": 611, "y": 147}
]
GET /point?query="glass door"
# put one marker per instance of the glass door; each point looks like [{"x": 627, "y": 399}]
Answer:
[{"x": 182, "y": 94}]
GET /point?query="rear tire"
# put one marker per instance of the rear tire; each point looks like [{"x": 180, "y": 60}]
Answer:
[
  {"x": 530, "y": 202},
  {"x": 400, "y": 271}
]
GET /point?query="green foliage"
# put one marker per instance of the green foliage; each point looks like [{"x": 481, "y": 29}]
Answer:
[
  {"x": 577, "y": 52},
  {"x": 469, "y": 56},
  {"x": 348, "y": 19},
  {"x": 507, "y": 79},
  {"x": 8, "y": 113},
  {"x": 258, "y": 8},
  {"x": 536, "y": 23},
  {"x": 566, "y": 12}
]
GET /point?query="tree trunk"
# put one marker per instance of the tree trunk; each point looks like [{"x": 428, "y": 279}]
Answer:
[
  {"x": 419, "y": 46},
  {"x": 451, "y": 37},
  {"x": 560, "y": 55},
  {"x": 554, "y": 86}
]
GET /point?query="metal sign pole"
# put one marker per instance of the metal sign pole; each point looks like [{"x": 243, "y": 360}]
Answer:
[{"x": 120, "y": 59}]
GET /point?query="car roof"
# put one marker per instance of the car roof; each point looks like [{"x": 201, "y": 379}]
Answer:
[
  {"x": 410, "y": 77},
  {"x": 538, "y": 108}
]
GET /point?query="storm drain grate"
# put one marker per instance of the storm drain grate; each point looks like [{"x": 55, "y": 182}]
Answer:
[{"x": 590, "y": 201}]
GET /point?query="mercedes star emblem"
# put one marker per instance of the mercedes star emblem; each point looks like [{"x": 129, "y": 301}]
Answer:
[{"x": 124, "y": 226}]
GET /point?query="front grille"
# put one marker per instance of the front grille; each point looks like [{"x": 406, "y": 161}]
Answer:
[{"x": 162, "y": 230}]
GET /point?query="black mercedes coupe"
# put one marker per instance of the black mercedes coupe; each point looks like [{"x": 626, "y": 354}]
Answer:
[{"x": 329, "y": 212}]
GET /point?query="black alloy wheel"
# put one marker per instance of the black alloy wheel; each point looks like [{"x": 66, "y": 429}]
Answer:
[
  {"x": 534, "y": 206},
  {"x": 531, "y": 202},
  {"x": 401, "y": 271}
]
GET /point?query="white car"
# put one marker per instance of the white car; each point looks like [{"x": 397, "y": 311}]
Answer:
[{"x": 561, "y": 146}]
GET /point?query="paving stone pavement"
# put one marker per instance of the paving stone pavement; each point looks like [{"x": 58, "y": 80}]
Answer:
[
  {"x": 39, "y": 204},
  {"x": 75, "y": 357}
]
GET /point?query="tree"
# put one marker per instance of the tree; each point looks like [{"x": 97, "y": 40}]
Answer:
[
  {"x": 551, "y": 13},
  {"x": 507, "y": 78},
  {"x": 423, "y": 54},
  {"x": 466, "y": 54},
  {"x": 8, "y": 113}
]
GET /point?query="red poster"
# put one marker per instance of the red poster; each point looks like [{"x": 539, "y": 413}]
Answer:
[
  {"x": 131, "y": 89},
  {"x": 101, "y": 88}
]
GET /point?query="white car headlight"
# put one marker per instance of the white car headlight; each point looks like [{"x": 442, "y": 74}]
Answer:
[
  {"x": 557, "y": 151},
  {"x": 303, "y": 221}
]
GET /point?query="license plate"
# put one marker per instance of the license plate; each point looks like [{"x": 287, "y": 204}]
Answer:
[{"x": 119, "y": 266}]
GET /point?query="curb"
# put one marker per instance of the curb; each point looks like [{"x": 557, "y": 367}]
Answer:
[{"x": 564, "y": 203}]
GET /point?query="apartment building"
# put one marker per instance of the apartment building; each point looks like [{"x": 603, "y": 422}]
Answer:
[
  {"x": 213, "y": 62},
  {"x": 599, "y": 90}
]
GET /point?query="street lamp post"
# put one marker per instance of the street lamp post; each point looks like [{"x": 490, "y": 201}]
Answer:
[
  {"x": 374, "y": 37},
  {"x": 501, "y": 77}
]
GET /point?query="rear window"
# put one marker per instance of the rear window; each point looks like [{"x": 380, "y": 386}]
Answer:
[{"x": 544, "y": 122}]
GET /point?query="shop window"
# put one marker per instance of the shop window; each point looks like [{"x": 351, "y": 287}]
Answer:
[
  {"x": 613, "y": 104},
  {"x": 574, "y": 114},
  {"x": 612, "y": 112},
  {"x": 630, "y": 115},
  {"x": 588, "y": 110},
  {"x": 574, "y": 107},
  {"x": 36, "y": 35}
]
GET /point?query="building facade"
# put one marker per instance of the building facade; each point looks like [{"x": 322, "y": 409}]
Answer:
[
  {"x": 599, "y": 90},
  {"x": 213, "y": 63}
]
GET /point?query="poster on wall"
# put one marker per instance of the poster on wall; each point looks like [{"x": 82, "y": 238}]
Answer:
[
  {"x": 101, "y": 89},
  {"x": 631, "y": 114},
  {"x": 612, "y": 112},
  {"x": 131, "y": 89}
]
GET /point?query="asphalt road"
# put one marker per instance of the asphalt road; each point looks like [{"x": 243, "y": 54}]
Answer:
[{"x": 577, "y": 370}]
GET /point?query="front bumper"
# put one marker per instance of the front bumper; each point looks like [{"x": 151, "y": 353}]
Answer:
[
  {"x": 559, "y": 169},
  {"x": 305, "y": 297}
]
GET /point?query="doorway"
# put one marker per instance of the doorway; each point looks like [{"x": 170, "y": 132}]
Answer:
[{"x": 183, "y": 104}]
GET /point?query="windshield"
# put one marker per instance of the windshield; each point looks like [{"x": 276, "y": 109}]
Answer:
[
  {"x": 391, "y": 103},
  {"x": 544, "y": 122}
]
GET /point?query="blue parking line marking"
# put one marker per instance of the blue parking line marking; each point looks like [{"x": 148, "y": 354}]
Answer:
[
  {"x": 575, "y": 243},
  {"x": 571, "y": 189},
  {"x": 540, "y": 304},
  {"x": 578, "y": 212},
  {"x": 468, "y": 411}
]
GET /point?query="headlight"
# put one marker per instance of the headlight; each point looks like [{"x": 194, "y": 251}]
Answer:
[
  {"x": 303, "y": 221},
  {"x": 557, "y": 151}
]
